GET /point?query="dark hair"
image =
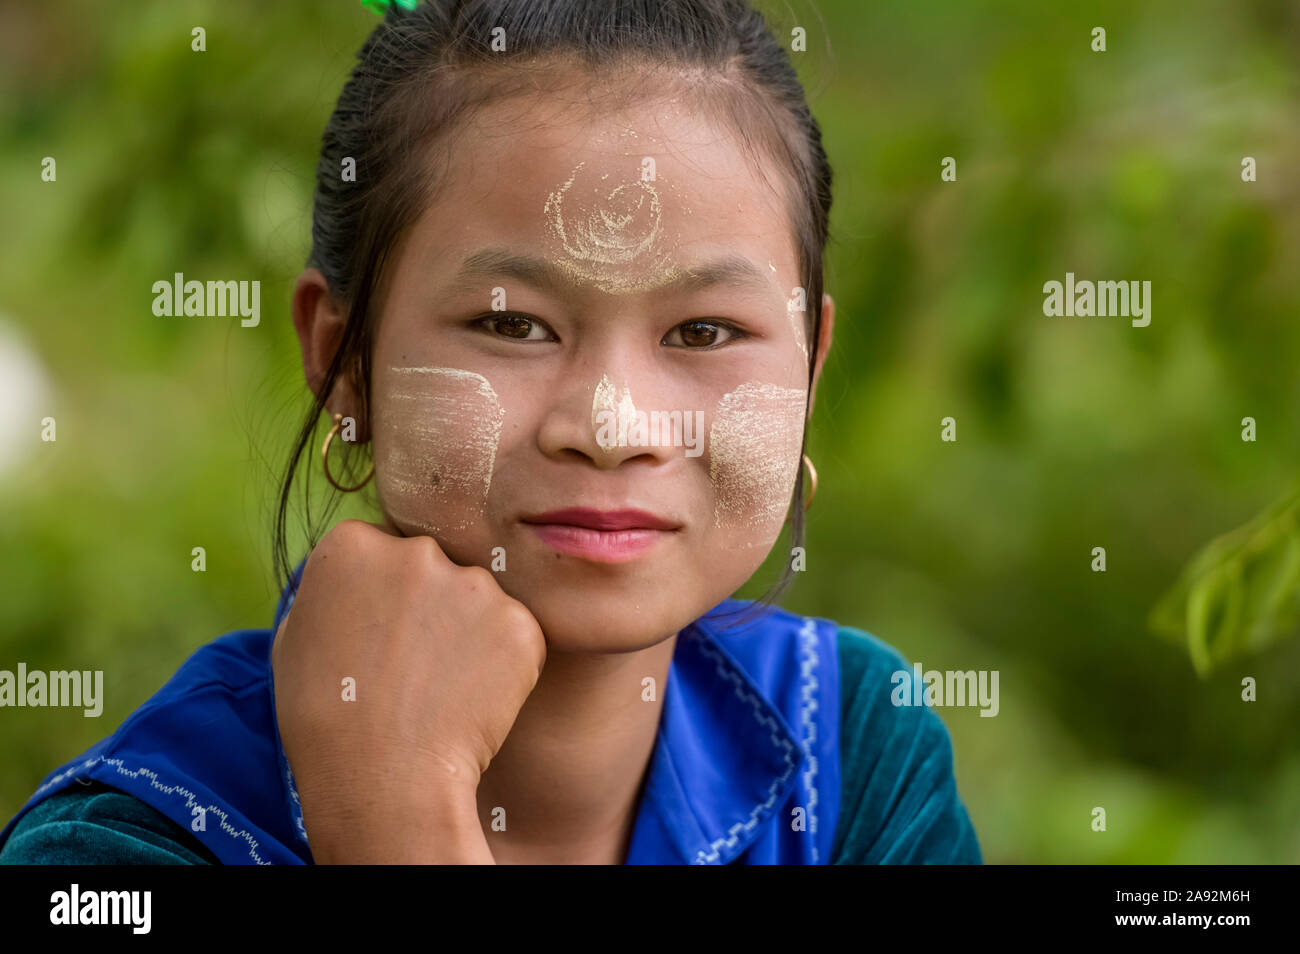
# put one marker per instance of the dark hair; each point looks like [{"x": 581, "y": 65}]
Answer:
[{"x": 422, "y": 71}]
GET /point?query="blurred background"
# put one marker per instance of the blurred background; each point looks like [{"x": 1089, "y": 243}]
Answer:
[{"x": 1120, "y": 689}]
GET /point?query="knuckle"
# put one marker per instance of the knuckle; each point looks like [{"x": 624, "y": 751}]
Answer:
[
  {"x": 348, "y": 530},
  {"x": 346, "y": 536},
  {"x": 477, "y": 580},
  {"x": 426, "y": 557},
  {"x": 519, "y": 623},
  {"x": 428, "y": 547}
]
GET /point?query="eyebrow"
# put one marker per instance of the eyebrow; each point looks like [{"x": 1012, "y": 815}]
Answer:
[{"x": 496, "y": 262}]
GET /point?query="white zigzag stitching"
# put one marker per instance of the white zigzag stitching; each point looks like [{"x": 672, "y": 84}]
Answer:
[
  {"x": 293, "y": 793},
  {"x": 809, "y": 705},
  {"x": 710, "y": 855},
  {"x": 169, "y": 789}
]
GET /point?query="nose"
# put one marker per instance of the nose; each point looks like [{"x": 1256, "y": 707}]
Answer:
[{"x": 601, "y": 411}]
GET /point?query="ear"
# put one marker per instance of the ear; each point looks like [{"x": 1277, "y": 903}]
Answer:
[
  {"x": 319, "y": 319},
  {"x": 823, "y": 345}
]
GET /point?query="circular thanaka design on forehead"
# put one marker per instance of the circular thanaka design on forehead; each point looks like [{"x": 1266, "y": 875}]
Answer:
[
  {"x": 436, "y": 437},
  {"x": 596, "y": 229},
  {"x": 754, "y": 444}
]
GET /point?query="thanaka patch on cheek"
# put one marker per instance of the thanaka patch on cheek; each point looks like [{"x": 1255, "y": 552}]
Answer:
[
  {"x": 436, "y": 437},
  {"x": 754, "y": 458}
]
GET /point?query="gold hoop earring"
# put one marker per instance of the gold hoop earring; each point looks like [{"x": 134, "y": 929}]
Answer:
[
  {"x": 812, "y": 472},
  {"x": 325, "y": 459}
]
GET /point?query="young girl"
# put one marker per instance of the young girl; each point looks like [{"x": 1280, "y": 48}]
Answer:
[{"x": 566, "y": 283}]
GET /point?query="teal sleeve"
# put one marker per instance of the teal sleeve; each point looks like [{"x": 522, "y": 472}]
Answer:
[
  {"x": 99, "y": 825},
  {"x": 899, "y": 802}
]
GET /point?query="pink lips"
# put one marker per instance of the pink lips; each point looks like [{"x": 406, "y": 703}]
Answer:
[{"x": 603, "y": 536}]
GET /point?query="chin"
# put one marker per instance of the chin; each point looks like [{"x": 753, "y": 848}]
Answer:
[{"x": 592, "y": 620}]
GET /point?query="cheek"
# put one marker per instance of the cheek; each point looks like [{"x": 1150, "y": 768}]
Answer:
[
  {"x": 436, "y": 432},
  {"x": 754, "y": 455}
]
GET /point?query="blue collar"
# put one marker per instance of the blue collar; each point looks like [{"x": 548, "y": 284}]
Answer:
[{"x": 724, "y": 758}]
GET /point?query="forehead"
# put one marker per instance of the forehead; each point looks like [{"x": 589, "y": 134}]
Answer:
[{"x": 619, "y": 198}]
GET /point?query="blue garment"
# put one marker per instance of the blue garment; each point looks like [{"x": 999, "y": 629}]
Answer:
[{"x": 745, "y": 768}]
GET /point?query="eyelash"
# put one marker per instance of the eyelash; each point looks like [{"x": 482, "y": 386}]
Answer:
[{"x": 486, "y": 323}]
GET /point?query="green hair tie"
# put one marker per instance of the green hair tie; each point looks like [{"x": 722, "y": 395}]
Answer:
[{"x": 380, "y": 7}]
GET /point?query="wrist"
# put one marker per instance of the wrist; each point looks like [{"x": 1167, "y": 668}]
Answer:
[{"x": 440, "y": 826}]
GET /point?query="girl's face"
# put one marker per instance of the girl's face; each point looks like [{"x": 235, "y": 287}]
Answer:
[{"x": 596, "y": 313}]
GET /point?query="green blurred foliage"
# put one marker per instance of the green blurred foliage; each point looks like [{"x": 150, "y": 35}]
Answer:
[
  {"x": 969, "y": 555},
  {"x": 1241, "y": 592}
]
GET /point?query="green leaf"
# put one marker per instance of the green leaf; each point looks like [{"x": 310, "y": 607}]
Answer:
[{"x": 1240, "y": 592}]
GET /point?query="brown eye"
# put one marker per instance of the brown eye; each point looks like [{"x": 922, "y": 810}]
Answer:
[
  {"x": 518, "y": 327},
  {"x": 700, "y": 335},
  {"x": 513, "y": 326}
]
